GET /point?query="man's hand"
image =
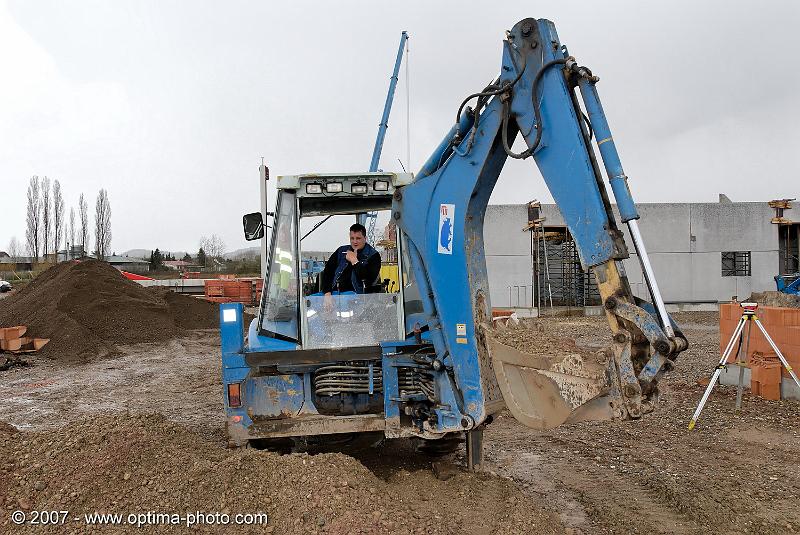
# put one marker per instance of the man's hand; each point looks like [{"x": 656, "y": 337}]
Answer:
[
  {"x": 327, "y": 302},
  {"x": 352, "y": 257}
]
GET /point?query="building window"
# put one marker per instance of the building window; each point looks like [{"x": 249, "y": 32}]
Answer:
[{"x": 736, "y": 264}]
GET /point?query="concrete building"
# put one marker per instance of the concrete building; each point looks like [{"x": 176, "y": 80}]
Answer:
[
  {"x": 19, "y": 263},
  {"x": 702, "y": 254}
]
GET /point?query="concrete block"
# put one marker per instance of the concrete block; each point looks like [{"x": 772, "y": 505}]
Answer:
[
  {"x": 791, "y": 317},
  {"x": 779, "y": 334},
  {"x": 730, "y": 376},
  {"x": 770, "y": 316},
  {"x": 792, "y": 336},
  {"x": 770, "y": 391}
]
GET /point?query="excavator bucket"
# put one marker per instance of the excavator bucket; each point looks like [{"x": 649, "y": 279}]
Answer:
[{"x": 545, "y": 391}]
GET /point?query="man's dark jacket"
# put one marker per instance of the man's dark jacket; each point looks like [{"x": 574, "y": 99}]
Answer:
[{"x": 341, "y": 276}]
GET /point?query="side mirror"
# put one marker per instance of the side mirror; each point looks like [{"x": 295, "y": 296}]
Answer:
[{"x": 253, "y": 226}]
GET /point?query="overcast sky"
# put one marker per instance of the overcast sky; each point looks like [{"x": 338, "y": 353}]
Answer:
[{"x": 169, "y": 105}]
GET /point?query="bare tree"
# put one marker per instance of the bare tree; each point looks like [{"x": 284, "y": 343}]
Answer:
[
  {"x": 58, "y": 216},
  {"x": 33, "y": 218},
  {"x": 47, "y": 217},
  {"x": 83, "y": 209},
  {"x": 205, "y": 244},
  {"x": 214, "y": 247},
  {"x": 71, "y": 228},
  {"x": 102, "y": 225},
  {"x": 14, "y": 249}
]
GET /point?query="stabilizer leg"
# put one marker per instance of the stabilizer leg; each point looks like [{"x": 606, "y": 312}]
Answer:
[{"x": 475, "y": 449}]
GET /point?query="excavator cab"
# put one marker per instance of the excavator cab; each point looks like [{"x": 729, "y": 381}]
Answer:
[
  {"x": 313, "y": 365},
  {"x": 294, "y": 307}
]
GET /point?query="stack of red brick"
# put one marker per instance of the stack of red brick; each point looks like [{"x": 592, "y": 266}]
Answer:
[
  {"x": 11, "y": 340},
  {"x": 783, "y": 326},
  {"x": 765, "y": 376},
  {"x": 244, "y": 290}
]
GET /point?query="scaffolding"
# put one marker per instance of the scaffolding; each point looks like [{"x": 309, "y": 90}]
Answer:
[{"x": 557, "y": 278}]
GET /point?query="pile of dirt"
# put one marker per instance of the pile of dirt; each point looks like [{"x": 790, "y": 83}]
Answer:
[
  {"x": 125, "y": 464},
  {"x": 696, "y": 317},
  {"x": 87, "y": 308},
  {"x": 537, "y": 337},
  {"x": 775, "y": 299},
  {"x": 189, "y": 312}
]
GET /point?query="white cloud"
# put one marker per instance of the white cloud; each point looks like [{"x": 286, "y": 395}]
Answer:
[
  {"x": 169, "y": 105},
  {"x": 49, "y": 122}
]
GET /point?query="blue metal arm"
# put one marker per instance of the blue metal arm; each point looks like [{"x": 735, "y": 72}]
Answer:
[
  {"x": 384, "y": 125},
  {"x": 387, "y": 107},
  {"x": 441, "y": 215}
]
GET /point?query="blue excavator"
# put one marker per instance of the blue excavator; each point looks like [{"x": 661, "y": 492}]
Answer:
[
  {"x": 422, "y": 360},
  {"x": 788, "y": 284}
]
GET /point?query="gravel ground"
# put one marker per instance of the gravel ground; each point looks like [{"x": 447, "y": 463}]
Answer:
[
  {"x": 126, "y": 463},
  {"x": 143, "y": 431},
  {"x": 735, "y": 473}
]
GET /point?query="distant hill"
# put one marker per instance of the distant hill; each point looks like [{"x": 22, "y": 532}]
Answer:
[
  {"x": 248, "y": 252},
  {"x": 238, "y": 254}
]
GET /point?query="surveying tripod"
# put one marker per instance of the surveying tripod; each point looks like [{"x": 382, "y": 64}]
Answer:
[{"x": 748, "y": 314}]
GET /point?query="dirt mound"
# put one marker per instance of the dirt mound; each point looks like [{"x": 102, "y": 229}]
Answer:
[
  {"x": 125, "y": 464},
  {"x": 696, "y": 317},
  {"x": 87, "y": 308},
  {"x": 775, "y": 299},
  {"x": 189, "y": 312},
  {"x": 537, "y": 337}
]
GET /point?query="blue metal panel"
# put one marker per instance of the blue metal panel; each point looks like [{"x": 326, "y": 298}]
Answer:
[
  {"x": 229, "y": 376},
  {"x": 274, "y": 396},
  {"x": 391, "y": 409},
  {"x": 234, "y": 369},
  {"x": 562, "y": 156},
  {"x": 231, "y": 332},
  {"x": 451, "y": 293},
  {"x": 256, "y": 342}
]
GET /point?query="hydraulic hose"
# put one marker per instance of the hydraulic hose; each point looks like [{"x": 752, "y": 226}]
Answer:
[{"x": 537, "y": 114}]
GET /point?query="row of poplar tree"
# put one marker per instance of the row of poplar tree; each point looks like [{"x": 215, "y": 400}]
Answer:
[{"x": 47, "y": 229}]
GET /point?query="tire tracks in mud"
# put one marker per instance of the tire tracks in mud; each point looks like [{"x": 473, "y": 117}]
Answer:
[{"x": 588, "y": 496}]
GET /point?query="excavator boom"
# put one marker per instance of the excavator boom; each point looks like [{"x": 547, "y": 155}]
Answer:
[{"x": 537, "y": 96}]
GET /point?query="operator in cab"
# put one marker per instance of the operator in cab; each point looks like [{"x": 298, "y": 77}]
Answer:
[{"x": 352, "y": 268}]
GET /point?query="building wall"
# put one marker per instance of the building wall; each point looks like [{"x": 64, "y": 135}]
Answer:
[
  {"x": 684, "y": 241},
  {"x": 508, "y": 254}
]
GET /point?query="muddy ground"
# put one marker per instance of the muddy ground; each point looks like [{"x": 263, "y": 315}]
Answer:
[
  {"x": 143, "y": 430},
  {"x": 735, "y": 473}
]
